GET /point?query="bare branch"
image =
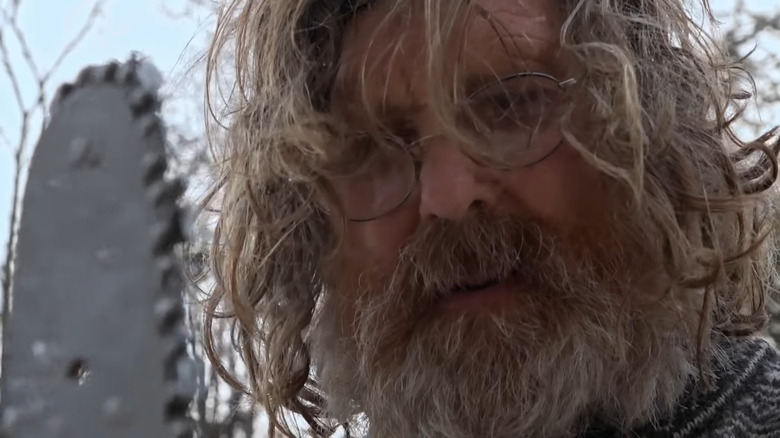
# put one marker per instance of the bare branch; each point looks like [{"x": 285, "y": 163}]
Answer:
[
  {"x": 72, "y": 44},
  {"x": 4, "y": 138},
  {"x": 26, "y": 52},
  {"x": 15, "y": 8},
  {"x": 5, "y": 58},
  {"x": 26, "y": 116},
  {"x": 186, "y": 11}
]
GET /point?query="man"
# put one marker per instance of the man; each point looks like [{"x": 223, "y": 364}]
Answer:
[{"x": 493, "y": 218}]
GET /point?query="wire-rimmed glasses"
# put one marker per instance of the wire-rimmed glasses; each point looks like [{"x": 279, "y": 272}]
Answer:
[{"x": 517, "y": 119}]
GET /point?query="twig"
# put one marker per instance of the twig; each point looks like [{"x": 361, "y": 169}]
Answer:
[
  {"x": 10, "y": 72},
  {"x": 5, "y": 58},
  {"x": 15, "y": 8},
  {"x": 72, "y": 44},
  {"x": 10, "y": 250},
  {"x": 25, "y": 47},
  {"x": 186, "y": 10},
  {"x": 5, "y": 138}
]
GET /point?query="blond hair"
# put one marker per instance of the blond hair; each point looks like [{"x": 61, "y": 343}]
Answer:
[{"x": 698, "y": 187}]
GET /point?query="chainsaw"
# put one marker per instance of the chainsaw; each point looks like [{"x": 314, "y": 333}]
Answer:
[{"x": 96, "y": 344}]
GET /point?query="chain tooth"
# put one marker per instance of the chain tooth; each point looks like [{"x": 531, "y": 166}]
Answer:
[
  {"x": 110, "y": 71},
  {"x": 156, "y": 191},
  {"x": 169, "y": 313},
  {"x": 63, "y": 92},
  {"x": 143, "y": 102},
  {"x": 166, "y": 234},
  {"x": 176, "y": 407},
  {"x": 87, "y": 76},
  {"x": 126, "y": 73},
  {"x": 180, "y": 374},
  {"x": 155, "y": 166},
  {"x": 178, "y": 367},
  {"x": 173, "y": 280},
  {"x": 175, "y": 348},
  {"x": 164, "y": 193},
  {"x": 152, "y": 128}
]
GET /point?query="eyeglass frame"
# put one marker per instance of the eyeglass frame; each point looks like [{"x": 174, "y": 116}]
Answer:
[{"x": 562, "y": 85}]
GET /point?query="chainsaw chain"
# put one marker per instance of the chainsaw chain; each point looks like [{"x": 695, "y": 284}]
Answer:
[{"x": 163, "y": 193}]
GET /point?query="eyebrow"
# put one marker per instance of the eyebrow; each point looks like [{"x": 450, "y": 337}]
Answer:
[
  {"x": 477, "y": 81},
  {"x": 395, "y": 115}
]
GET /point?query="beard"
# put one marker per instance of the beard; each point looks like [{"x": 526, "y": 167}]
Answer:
[{"x": 584, "y": 336}]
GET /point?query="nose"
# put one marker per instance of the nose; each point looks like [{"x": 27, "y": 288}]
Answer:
[{"x": 452, "y": 184}]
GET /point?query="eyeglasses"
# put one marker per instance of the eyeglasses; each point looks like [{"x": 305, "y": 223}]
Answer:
[{"x": 517, "y": 119}]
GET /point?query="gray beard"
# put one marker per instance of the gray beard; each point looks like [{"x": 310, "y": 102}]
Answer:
[
  {"x": 587, "y": 340},
  {"x": 503, "y": 375}
]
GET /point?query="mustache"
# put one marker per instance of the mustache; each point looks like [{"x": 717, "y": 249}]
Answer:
[{"x": 458, "y": 255}]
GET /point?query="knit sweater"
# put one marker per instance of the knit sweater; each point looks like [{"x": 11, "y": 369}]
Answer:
[{"x": 745, "y": 402}]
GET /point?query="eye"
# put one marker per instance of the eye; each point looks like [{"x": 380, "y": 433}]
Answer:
[
  {"x": 406, "y": 136},
  {"x": 347, "y": 155},
  {"x": 377, "y": 179},
  {"x": 514, "y": 108},
  {"x": 521, "y": 102},
  {"x": 363, "y": 152}
]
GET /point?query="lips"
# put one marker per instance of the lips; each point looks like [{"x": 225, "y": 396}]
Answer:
[
  {"x": 482, "y": 297},
  {"x": 466, "y": 288}
]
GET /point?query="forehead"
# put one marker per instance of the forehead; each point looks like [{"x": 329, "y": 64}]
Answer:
[{"x": 385, "y": 52}]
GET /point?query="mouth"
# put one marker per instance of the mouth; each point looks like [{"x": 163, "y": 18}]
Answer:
[
  {"x": 474, "y": 287},
  {"x": 485, "y": 294}
]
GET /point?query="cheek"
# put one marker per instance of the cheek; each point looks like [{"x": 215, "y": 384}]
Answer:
[
  {"x": 563, "y": 191},
  {"x": 369, "y": 252},
  {"x": 372, "y": 248}
]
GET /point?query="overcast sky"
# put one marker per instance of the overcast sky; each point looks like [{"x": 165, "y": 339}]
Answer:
[{"x": 152, "y": 27}]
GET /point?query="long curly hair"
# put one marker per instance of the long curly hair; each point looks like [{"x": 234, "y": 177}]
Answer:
[{"x": 667, "y": 99}]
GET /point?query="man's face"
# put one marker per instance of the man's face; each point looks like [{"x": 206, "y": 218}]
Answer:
[{"x": 493, "y": 301}]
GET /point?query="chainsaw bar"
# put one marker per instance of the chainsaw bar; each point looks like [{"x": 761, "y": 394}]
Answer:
[{"x": 96, "y": 345}]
